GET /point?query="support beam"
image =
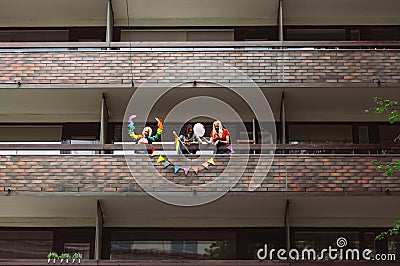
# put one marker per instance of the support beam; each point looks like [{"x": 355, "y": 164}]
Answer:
[
  {"x": 255, "y": 129},
  {"x": 287, "y": 226},
  {"x": 103, "y": 120},
  {"x": 283, "y": 118},
  {"x": 280, "y": 20},
  {"x": 99, "y": 232},
  {"x": 110, "y": 22}
]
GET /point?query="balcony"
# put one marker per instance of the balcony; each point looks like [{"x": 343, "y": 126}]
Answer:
[
  {"x": 295, "y": 169},
  {"x": 269, "y": 64}
]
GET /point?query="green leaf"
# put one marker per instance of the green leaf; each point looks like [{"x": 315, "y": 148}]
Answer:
[
  {"x": 394, "y": 116},
  {"x": 397, "y": 223}
]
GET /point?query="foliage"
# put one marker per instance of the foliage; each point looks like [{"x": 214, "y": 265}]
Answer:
[
  {"x": 64, "y": 256},
  {"x": 391, "y": 106},
  {"x": 52, "y": 255},
  {"x": 386, "y": 105},
  {"x": 77, "y": 256},
  {"x": 389, "y": 169},
  {"x": 393, "y": 231}
]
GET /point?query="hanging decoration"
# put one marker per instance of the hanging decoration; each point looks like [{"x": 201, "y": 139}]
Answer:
[
  {"x": 198, "y": 130},
  {"x": 160, "y": 159},
  {"x": 230, "y": 148},
  {"x": 186, "y": 170},
  {"x": 195, "y": 169},
  {"x": 176, "y": 169},
  {"x": 166, "y": 164},
  {"x": 211, "y": 161}
]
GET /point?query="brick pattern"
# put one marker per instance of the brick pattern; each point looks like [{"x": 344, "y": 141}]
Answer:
[
  {"x": 336, "y": 67},
  {"x": 106, "y": 173}
]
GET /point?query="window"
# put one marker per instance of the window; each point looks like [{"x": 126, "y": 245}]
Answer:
[
  {"x": 323, "y": 134},
  {"x": 34, "y": 36},
  {"x": 25, "y": 244},
  {"x": 154, "y": 245},
  {"x": 159, "y": 35},
  {"x": 83, "y": 248}
]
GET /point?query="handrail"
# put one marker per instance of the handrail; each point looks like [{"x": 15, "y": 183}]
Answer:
[
  {"x": 238, "y": 147},
  {"x": 202, "y": 44}
]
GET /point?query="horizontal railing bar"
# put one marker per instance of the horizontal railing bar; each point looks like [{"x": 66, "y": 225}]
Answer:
[
  {"x": 205, "y": 44},
  {"x": 158, "y": 146}
]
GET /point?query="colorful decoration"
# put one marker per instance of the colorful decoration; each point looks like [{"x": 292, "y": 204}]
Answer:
[
  {"x": 230, "y": 148},
  {"x": 147, "y": 139},
  {"x": 131, "y": 117},
  {"x": 195, "y": 169},
  {"x": 186, "y": 170},
  {"x": 178, "y": 144},
  {"x": 211, "y": 161},
  {"x": 176, "y": 169},
  {"x": 160, "y": 159}
]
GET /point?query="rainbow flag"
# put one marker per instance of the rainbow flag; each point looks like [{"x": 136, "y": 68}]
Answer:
[{"x": 178, "y": 144}]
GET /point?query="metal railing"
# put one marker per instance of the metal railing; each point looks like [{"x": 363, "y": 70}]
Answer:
[
  {"x": 238, "y": 148},
  {"x": 220, "y": 45}
]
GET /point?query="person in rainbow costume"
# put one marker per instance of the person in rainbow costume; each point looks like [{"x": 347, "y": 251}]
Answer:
[{"x": 145, "y": 137}]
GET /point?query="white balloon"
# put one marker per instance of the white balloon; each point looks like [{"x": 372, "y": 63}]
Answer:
[{"x": 199, "y": 129}]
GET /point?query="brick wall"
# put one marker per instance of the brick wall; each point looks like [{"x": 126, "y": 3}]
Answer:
[
  {"x": 106, "y": 173},
  {"x": 336, "y": 67}
]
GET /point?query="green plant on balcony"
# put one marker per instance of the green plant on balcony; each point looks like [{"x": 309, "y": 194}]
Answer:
[
  {"x": 77, "y": 257},
  {"x": 64, "y": 256},
  {"x": 52, "y": 256},
  {"x": 388, "y": 168}
]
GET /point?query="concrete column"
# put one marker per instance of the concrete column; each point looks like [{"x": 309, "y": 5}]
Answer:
[
  {"x": 280, "y": 20},
  {"x": 283, "y": 119},
  {"x": 287, "y": 226},
  {"x": 103, "y": 120},
  {"x": 110, "y": 22},
  {"x": 99, "y": 232}
]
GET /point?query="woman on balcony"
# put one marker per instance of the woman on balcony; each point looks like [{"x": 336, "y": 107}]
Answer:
[
  {"x": 189, "y": 138},
  {"x": 220, "y": 137},
  {"x": 145, "y": 137}
]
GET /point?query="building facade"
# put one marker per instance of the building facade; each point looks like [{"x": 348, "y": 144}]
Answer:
[{"x": 291, "y": 78}]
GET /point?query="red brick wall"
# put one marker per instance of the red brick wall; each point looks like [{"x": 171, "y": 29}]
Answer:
[
  {"x": 265, "y": 67},
  {"x": 106, "y": 173}
]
